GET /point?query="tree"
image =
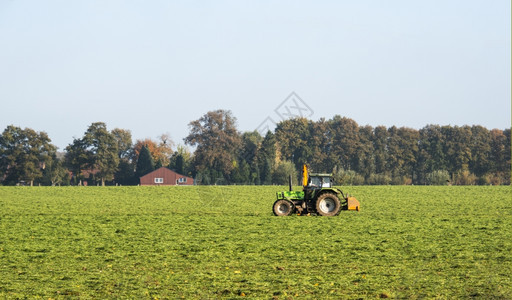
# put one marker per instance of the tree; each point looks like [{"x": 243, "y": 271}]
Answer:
[
  {"x": 180, "y": 160},
  {"x": 267, "y": 158},
  {"x": 150, "y": 145},
  {"x": 505, "y": 164},
  {"x": 249, "y": 152},
  {"x": 180, "y": 164},
  {"x": 77, "y": 159},
  {"x": 282, "y": 172},
  {"x": 380, "y": 153},
  {"x": 24, "y": 154},
  {"x": 480, "y": 145},
  {"x": 321, "y": 141},
  {"x": 104, "y": 148},
  {"x": 431, "y": 156},
  {"x": 145, "y": 163},
  {"x": 499, "y": 156},
  {"x": 438, "y": 177},
  {"x": 125, "y": 174},
  {"x": 294, "y": 138},
  {"x": 242, "y": 173},
  {"x": 402, "y": 148},
  {"x": 165, "y": 146},
  {"x": 160, "y": 151},
  {"x": 217, "y": 142},
  {"x": 55, "y": 173},
  {"x": 366, "y": 161},
  {"x": 349, "y": 177},
  {"x": 457, "y": 148},
  {"x": 126, "y": 170},
  {"x": 345, "y": 136},
  {"x": 123, "y": 140}
]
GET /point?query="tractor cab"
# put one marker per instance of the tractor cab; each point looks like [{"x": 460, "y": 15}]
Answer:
[
  {"x": 319, "y": 180},
  {"x": 314, "y": 183}
]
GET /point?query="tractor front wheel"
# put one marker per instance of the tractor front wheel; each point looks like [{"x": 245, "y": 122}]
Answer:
[
  {"x": 328, "y": 204},
  {"x": 283, "y": 207}
]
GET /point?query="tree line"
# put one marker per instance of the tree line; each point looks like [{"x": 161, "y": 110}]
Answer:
[
  {"x": 434, "y": 154},
  {"x": 355, "y": 154}
]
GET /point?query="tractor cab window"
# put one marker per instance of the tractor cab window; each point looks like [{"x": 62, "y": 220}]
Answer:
[
  {"x": 315, "y": 182},
  {"x": 320, "y": 181},
  {"x": 326, "y": 182}
]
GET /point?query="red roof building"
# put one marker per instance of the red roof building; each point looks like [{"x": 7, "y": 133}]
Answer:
[{"x": 164, "y": 176}]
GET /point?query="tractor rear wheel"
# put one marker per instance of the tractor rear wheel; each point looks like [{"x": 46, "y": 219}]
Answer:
[
  {"x": 283, "y": 207},
  {"x": 328, "y": 204}
]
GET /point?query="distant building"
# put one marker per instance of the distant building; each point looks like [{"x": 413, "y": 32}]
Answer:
[{"x": 164, "y": 176}]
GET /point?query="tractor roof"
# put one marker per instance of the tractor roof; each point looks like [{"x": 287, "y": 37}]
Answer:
[{"x": 320, "y": 175}]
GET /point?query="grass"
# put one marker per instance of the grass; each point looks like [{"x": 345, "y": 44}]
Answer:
[{"x": 223, "y": 242}]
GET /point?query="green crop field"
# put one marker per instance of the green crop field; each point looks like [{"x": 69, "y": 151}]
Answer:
[{"x": 206, "y": 242}]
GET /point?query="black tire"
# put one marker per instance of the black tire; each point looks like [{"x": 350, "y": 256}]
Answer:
[
  {"x": 283, "y": 208},
  {"x": 328, "y": 204}
]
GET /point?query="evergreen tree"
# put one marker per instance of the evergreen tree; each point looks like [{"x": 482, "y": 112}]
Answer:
[
  {"x": 180, "y": 164},
  {"x": 145, "y": 163}
]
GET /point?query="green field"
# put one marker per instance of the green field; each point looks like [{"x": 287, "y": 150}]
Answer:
[{"x": 206, "y": 242}]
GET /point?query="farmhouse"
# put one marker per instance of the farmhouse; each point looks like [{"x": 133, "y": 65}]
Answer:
[{"x": 164, "y": 176}]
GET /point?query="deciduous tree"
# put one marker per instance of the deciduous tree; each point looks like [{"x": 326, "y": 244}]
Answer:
[
  {"x": 160, "y": 151},
  {"x": 78, "y": 158},
  {"x": 104, "y": 148},
  {"x": 126, "y": 170},
  {"x": 295, "y": 141},
  {"x": 217, "y": 142},
  {"x": 24, "y": 154}
]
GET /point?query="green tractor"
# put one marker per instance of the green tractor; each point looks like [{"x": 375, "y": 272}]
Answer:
[{"x": 318, "y": 196}]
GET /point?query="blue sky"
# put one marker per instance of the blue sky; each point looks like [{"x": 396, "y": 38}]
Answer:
[{"x": 154, "y": 66}]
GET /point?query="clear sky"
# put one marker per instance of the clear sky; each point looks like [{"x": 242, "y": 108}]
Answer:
[{"x": 154, "y": 66}]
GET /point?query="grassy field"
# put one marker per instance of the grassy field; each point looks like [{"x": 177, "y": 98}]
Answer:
[{"x": 223, "y": 242}]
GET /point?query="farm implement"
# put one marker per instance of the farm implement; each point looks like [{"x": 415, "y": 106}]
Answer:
[{"x": 318, "y": 196}]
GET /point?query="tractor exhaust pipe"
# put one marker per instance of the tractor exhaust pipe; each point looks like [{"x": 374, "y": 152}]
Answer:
[{"x": 290, "y": 182}]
